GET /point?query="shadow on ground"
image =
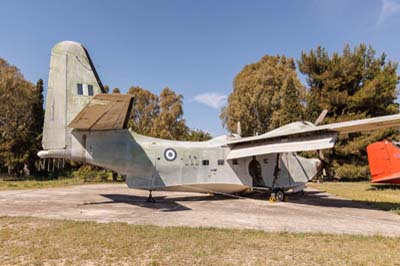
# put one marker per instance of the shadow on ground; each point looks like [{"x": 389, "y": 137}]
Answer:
[
  {"x": 377, "y": 187},
  {"x": 317, "y": 198},
  {"x": 162, "y": 203}
]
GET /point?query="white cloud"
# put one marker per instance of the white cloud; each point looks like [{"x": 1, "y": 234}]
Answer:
[
  {"x": 212, "y": 99},
  {"x": 389, "y": 8}
]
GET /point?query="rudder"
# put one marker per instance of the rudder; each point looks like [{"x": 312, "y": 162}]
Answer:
[{"x": 73, "y": 81}]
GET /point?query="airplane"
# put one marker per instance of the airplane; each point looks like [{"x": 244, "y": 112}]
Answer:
[
  {"x": 384, "y": 162},
  {"x": 83, "y": 123}
]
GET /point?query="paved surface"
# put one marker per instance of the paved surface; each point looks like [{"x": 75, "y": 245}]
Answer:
[{"x": 314, "y": 212}]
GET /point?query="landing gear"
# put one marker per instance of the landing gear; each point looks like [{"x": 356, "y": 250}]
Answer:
[
  {"x": 280, "y": 195},
  {"x": 150, "y": 199},
  {"x": 277, "y": 195},
  {"x": 115, "y": 176}
]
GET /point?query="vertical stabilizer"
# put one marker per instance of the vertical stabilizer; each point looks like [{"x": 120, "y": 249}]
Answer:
[{"x": 73, "y": 81}]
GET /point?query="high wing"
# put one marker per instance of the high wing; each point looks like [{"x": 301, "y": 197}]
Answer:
[
  {"x": 305, "y": 136},
  {"x": 104, "y": 112}
]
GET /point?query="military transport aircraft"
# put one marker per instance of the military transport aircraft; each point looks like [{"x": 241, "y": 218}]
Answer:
[{"x": 82, "y": 123}]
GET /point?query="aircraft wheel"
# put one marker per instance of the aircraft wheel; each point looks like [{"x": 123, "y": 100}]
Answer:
[
  {"x": 280, "y": 195},
  {"x": 114, "y": 176}
]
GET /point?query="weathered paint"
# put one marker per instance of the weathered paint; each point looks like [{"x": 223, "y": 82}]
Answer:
[{"x": 144, "y": 160}]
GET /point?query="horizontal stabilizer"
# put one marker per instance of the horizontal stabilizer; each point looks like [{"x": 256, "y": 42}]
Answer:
[{"x": 104, "y": 112}]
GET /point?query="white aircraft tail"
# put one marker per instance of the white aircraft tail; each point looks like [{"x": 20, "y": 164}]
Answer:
[{"x": 73, "y": 81}]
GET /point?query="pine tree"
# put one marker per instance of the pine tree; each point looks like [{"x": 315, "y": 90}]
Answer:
[{"x": 352, "y": 85}]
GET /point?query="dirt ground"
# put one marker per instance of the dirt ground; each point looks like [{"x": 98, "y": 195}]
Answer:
[{"x": 314, "y": 212}]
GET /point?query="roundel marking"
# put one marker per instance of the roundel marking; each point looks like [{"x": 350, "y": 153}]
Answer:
[{"x": 170, "y": 154}]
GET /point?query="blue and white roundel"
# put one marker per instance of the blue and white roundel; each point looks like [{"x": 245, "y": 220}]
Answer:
[{"x": 170, "y": 154}]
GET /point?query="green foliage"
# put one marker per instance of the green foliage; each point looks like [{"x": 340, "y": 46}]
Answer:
[
  {"x": 116, "y": 90},
  {"x": 91, "y": 173},
  {"x": 161, "y": 116},
  {"x": 198, "y": 135},
  {"x": 21, "y": 120},
  {"x": 353, "y": 85},
  {"x": 145, "y": 109},
  {"x": 106, "y": 88},
  {"x": 169, "y": 124},
  {"x": 351, "y": 171},
  {"x": 266, "y": 95}
]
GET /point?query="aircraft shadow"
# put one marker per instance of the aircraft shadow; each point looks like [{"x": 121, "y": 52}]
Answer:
[
  {"x": 317, "y": 198},
  {"x": 312, "y": 198},
  {"x": 162, "y": 203}
]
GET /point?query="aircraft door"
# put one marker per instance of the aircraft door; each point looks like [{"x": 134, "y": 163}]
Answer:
[{"x": 256, "y": 173}]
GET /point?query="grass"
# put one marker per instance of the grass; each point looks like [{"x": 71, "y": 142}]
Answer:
[
  {"x": 37, "y": 184},
  {"x": 34, "y": 241},
  {"x": 384, "y": 197}
]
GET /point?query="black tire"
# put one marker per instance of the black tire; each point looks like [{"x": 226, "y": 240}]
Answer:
[
  {"x": 114, "y": 176},
  {"x": 280, "y": 195}
]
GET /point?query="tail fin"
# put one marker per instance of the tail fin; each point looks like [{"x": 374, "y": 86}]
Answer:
[
  {"x": 73, "y": 81},
  {"x": 384, "y": 162}
]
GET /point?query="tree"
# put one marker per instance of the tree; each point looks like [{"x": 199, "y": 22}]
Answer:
[
  {"x": 145, "y": 109},
  {"x": 288, "y": 105},
  {"x": 170, "y": 124},
  {"x": 37, "y": 121},
  {"x": 352, "y": 85},
  {"x": 161, "y": 116},
  {"x": 116, "y": 90},
  {"x": 18, "y": 126},
  {"x": 197, "y": 135},
  {"x": 260, "y": 92},
  {"x": 106, "y": 88}
]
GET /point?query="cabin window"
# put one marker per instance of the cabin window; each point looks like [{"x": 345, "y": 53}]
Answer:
[
  {"x": 221, "y": 162},
  {"x": 235, "y": 162},
  {"x": 206, "y": 162},
  {"x": 80, "y": 89},
  {"x": 90, "y": 90}
]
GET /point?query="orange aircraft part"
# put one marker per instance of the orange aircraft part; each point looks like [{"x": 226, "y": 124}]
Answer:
[{"x": 384, "y": 162}]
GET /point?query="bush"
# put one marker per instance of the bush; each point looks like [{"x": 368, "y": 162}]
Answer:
[
  {"x": 350, "y": 172},
  {"x": 91, "y": 173}
]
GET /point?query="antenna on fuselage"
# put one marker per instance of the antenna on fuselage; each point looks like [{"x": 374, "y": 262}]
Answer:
[{"x": 321, "y": 117}]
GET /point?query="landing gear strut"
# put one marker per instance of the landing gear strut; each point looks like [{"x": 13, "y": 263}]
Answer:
[{"x": 150, "y": 199}]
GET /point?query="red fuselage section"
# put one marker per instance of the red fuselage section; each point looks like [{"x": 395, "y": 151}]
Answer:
[{"x": 384, "y": 162}]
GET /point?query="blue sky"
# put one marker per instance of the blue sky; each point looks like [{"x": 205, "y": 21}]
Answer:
[{"x": 194, "y": 47}]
